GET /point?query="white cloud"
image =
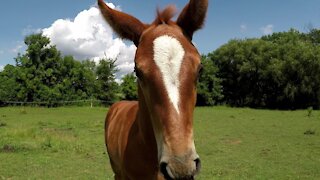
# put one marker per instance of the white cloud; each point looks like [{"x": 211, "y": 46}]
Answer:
[
  {"x": 1, "y": 68},
  {"x": 268, "y": 29},
  {"x": 30, "y": 30},
  {"x": 18, "y": 47},
  {"x": 88, "y": 36},
  {"x": 243, "y": 28}
]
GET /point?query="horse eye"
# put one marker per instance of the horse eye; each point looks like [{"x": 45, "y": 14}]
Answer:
[
  {"x": 138, "y": 72},
  {"x": 200, "y": 69},
  {"x": 199, "y": 72}
]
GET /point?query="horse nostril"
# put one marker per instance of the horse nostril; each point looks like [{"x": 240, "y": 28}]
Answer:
[
  {"x": 164, "y": 171},
  {"x": 198, "y": 165}
]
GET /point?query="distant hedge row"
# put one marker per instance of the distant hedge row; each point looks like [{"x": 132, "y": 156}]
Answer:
[
  {"x": 43, "y": 76},
  {"x": 280, "y": 71}
]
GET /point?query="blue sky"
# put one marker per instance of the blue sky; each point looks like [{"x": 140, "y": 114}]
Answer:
[{"x": 227, "y": 19}]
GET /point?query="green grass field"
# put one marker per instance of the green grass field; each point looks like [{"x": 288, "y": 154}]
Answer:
[{"x": 233, "y": 143}]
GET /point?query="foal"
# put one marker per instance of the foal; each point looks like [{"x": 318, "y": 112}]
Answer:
[{"x": 153, "y": 138}]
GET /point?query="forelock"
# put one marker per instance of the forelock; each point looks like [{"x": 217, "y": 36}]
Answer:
[{"x": 164, "y": 16}]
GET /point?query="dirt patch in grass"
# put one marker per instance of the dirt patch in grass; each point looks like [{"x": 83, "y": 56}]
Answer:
[
  {"x": 310, "y": 132},
  {"x": 3, "y": 124},
  {"x": 57, "y": 129},
  {"x": 8, "y": 148},
  {"x": 265, "y": 152},
  {"x": 232, "y": 141}
]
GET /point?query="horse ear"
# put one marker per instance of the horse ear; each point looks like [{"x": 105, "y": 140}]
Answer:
[
  {"x": 125, "y": 25},
  {"x": 192, "y": 16}
]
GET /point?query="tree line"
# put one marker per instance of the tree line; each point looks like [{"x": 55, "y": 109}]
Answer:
[
  {"x": 278, "y": 71},
  {"x": 43, "y": 75}
]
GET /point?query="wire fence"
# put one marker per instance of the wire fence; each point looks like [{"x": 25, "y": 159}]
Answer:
[{"x": 87, "y": 102}]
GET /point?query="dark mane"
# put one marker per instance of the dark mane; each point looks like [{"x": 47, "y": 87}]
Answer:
[{"x": 164, "y": 16}]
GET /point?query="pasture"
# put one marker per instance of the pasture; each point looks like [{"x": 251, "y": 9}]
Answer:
[{"x": 233, "y": 143}]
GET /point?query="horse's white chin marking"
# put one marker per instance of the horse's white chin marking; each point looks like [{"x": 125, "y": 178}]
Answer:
[{"x": 168, "y": 56}]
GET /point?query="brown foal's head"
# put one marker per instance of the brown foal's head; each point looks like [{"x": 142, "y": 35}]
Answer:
[{"x": 167, "y": 67}]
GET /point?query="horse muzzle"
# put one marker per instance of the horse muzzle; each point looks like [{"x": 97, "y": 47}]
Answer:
[{"x": 180, "y": 168}]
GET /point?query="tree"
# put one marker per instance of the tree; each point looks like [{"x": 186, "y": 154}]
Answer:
[
  {"x": 38, "y": 70},
  {"x": 209, "y": 89},
  {"x": 129, "y": 87},
  {"x": 8, "y": 85},
  {"x": 281, "y": 70},
  {"x": 78, "y": 80},
  {"x": 314, "y": 36},
  {"x": 45, "y": 76},
  {"x": 107, "y": 88}
]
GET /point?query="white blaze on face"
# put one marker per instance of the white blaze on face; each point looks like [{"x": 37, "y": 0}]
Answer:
[{"x": 168, "y": 55}]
